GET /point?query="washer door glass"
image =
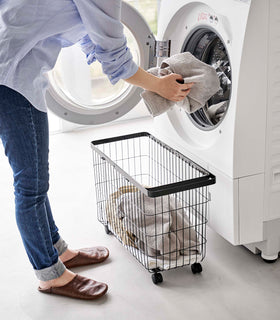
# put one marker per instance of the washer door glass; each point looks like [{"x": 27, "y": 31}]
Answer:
[
  {"x": 83, "y": 94},
  {"x": 85, "y": 85},
  {"x": 207, "y": 46}
]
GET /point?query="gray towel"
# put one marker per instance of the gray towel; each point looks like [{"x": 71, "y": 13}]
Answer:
[
  {"x": 163, "y": 229},
  {"x": 204, "y": 76},
  {"x": 216, "y": 111}
]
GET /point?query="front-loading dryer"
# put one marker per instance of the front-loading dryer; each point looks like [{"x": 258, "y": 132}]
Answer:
[
  {"x": 240, "y": 143},
  {"x": 236, "y": 135}
]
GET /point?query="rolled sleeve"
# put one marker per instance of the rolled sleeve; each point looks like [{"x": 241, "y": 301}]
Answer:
[
  {"x": 88, "y": 47},
  {"x": 106, "y": 41}
]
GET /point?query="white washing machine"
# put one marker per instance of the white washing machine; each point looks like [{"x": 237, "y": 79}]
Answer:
[{"x": 240, "y": 141}]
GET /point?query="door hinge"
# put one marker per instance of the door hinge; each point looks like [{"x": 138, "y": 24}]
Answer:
[{"x": 162, "y": 48}]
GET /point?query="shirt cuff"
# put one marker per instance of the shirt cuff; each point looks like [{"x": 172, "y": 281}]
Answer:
[
  {"x": 88, "y": 48},
  {"x": 116, "y": 64},
  {"x": 126, "y": 71}
]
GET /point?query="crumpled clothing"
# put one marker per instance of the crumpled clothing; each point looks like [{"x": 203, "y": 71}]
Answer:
[
  {"x": 116, "y": 221},
  {"x": 217, "y": 111},
  {"x": 205, "y": 79},
  {"x": 159, "y": 227}
]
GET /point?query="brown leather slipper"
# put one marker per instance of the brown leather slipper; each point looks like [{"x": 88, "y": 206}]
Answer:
[
  {"x": 88, "y": 256},
  {"x": 80, "y": 288}
]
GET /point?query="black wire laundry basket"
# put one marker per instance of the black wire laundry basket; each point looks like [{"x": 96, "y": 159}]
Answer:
[{"x": 153, "y": 199}]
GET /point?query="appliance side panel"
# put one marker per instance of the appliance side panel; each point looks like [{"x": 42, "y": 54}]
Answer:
[
  {"x": 272, "y": 173},
  {"x": 223, "y": 207},
  {"x": 250, "y": 121},
  {"x": 251, "y": 202}
]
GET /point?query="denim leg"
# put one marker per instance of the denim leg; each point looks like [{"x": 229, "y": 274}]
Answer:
[
  {"x": 60, "y": 245},
  {"x": 24, "y": 133}
]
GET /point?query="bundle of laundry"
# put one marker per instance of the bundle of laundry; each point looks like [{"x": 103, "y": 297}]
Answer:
[
  {"x": 159, "y": 227},
  {"x": 117, "y": 223},
  {"x": 216, "y": 111},
  {"x": 205, "y": 79}
]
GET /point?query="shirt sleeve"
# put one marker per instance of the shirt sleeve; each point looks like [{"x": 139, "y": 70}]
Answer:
[{"x": 106, "y": 41}]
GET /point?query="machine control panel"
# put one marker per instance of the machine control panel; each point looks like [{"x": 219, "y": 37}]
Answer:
[
  {"x": 244, "y": 1},
  {"x": 208, "y": 17}
]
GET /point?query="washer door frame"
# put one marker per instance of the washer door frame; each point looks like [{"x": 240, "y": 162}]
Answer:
[
  {"x": 206, "y": 28},
  {"x": 69, "y": 110}
]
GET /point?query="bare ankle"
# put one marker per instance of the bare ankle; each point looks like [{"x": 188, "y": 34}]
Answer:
[
  {"x": 65, "y": 278},
  {"x": 68, "y": 254}
]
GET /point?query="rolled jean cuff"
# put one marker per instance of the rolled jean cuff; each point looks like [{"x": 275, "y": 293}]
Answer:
[
  {"x": 61, "y": 246},
  {"x": 52, "y": 272}
]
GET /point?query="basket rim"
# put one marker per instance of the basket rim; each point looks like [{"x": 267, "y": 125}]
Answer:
[{"x": 206, "y": 180}]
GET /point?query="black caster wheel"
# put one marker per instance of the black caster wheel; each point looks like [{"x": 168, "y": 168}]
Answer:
[
  {"x": 107, "y": 230},
  {"x": 157, "y": 278},
  {"x": 196, "y": 268},
  {"x": 269, "y": 261}
]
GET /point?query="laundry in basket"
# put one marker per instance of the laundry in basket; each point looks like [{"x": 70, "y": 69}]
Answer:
[{"x": 153, "y": 199}]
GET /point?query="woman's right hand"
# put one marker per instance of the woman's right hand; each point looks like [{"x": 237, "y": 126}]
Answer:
[
  {"x": 166, "y": 86},
  {"x": 169, "y": 88}
]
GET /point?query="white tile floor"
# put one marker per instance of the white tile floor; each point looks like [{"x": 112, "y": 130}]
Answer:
[{"x": 235, "y": 284}]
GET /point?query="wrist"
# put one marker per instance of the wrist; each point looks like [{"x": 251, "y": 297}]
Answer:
[
  {"x": 145, "y": 80},
  {"x": 154, "y": 84}
]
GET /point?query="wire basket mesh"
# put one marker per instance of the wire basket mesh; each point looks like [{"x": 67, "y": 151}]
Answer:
[{"x": 153, "y": 199}]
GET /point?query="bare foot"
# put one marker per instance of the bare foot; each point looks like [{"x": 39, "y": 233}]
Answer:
[
  {"x": 67, "y": 255},
  {"x": 65, "y": 278}
]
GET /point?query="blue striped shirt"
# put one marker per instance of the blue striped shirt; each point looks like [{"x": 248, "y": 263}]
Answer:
[{"x": 32, "y": 33}]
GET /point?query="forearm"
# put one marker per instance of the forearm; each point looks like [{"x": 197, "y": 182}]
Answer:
[{"x": 144, "y": 80}]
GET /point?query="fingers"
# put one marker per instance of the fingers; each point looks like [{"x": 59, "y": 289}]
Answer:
[
  {"x": 183, "y": 86},
  {"x": 188, "y": 91},
  {"x": 184, "y": 93},
  {"x": 176, "y": 76},
  {"x": 186, "y": 86},
  {"x": 180, "y": 80},
  {"x": 182, "y": 96},
  {"x": 173, "y": 87}
]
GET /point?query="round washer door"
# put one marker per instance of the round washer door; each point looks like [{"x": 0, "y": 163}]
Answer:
[{"x": 83, "y": 94}]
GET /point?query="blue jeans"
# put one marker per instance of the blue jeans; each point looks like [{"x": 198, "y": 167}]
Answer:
[{"x": 25, "y": 136}]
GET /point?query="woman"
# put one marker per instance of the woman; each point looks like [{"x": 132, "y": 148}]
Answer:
[{"x": 32, "y": 33}]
